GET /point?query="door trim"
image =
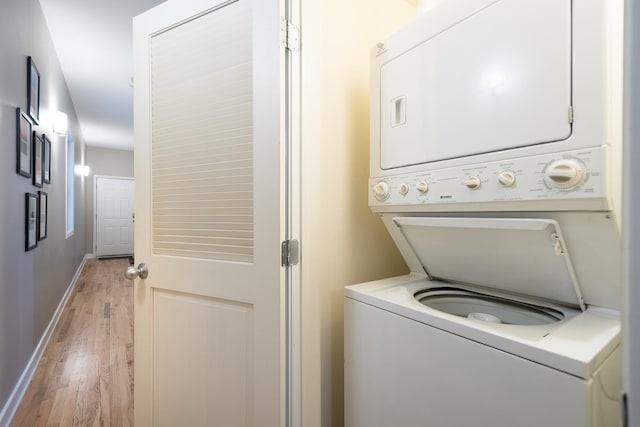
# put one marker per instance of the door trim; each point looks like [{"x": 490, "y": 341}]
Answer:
[
  {"x": 95, "y": 205},
  {"x": 630, "y": 227},
  {"x": 293, "y": 275}
]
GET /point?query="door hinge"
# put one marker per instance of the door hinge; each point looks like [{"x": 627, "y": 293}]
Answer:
[
  {"x": 570, "y": 114},
  {"x": 290, "y": 35},
  {"x": 290, "y": 253}
]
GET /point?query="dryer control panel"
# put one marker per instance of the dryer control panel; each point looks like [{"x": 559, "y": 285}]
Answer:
[{"x": 573, "y": 180}]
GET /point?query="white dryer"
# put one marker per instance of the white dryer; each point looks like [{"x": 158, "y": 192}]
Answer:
[{"x": 496, "y": 168}]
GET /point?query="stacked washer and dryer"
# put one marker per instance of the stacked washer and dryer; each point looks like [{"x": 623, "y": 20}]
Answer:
[{"x": 496, "y": 168}]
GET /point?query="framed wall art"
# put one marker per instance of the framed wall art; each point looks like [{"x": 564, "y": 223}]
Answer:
[
  {"x": 38, "y": 145},
  {"x": 30, "y": 221},
  {"x": 23, "y": 144},
  {"x": 33, "y": 90},
  {"x": 46, "y": 160},
  {"x": 43, "y": 205}
]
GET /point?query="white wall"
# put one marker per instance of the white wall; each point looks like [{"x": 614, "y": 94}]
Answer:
[
  {"x": 32, "y": 283},
  {"x": 342, "y": 241}
]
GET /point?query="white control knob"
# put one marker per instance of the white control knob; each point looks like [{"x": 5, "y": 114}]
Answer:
[
  {"x": 403, "y": 189},
  {"x": 381, "y": 190},
  {"x": 506, "y": 179},
  {"x": 422, "y": 187},
  {"x": 564, "y": 174},
  {"x": 473, "y": 182}
]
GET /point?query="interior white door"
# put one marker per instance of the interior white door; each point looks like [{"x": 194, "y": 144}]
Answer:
[
  {"x": 209, "y": 322},
  {"x": 114, "y": 216}
]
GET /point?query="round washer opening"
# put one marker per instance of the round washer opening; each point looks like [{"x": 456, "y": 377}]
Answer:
[{"x": 487, "y": 308}]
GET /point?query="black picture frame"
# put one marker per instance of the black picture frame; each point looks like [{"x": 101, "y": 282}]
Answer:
[
  {"x": 43, "y": 211},
  {"x": 38, "y": 160},
  {"x": 23, "y": 143},
  {"x": 33, "y": 90},
  {"x": 30, "y": 221},
  {"x": 46, "y": 159}
]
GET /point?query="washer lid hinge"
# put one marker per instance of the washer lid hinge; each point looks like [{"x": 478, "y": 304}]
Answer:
[
  {"x": 570, "y": 114},
  {"x": 557, "y": 244},
  {"x": 290, "y": 253}
]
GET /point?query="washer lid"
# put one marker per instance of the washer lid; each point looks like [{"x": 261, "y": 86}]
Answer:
[{"x": 524, "y": 256}]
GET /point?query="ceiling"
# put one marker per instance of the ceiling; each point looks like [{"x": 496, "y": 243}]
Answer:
[{"x": 93, "y": 40}]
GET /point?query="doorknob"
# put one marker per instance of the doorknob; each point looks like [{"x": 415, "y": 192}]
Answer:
[{"x": 142, "y": 272}]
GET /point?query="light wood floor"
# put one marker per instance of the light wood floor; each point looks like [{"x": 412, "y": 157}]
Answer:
[{"x": 85, "y": 377}]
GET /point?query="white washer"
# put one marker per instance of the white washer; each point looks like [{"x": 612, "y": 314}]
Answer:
[
  {"x": 522, "y": 350},
  {"x": 408, "y": 366}
]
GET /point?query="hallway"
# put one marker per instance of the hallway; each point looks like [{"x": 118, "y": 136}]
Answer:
[{"x": 85, "y": 376}]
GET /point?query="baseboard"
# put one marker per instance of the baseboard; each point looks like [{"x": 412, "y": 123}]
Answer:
[{"x": 12, "y": 404}]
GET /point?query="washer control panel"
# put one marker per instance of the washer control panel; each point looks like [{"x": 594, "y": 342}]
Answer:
[{"x": 577, "y": 177}]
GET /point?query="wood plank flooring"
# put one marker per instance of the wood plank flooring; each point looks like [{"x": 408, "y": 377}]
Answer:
[{"x": 85, "y": 377}]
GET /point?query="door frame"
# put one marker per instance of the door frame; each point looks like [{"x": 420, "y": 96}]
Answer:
[
  {"x": 630, "y": 227},
  {"x": 293, "y": 293},
  {"x": 95, "y": 205},
  {"x": 293, "y": 279}
]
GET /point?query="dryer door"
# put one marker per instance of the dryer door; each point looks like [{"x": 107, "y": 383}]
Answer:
[
  {"x": 521, "y": 256},
  {"x": 463, "y": 81}
]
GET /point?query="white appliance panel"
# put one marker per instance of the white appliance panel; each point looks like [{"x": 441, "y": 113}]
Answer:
[
  {"x": 498, "y": 79},
  {"x": 531, "y": 187}
]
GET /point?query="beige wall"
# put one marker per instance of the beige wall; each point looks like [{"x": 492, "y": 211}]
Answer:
[
  {"x": 106, "y": 162},
  {"x": 342, "y": 241}
]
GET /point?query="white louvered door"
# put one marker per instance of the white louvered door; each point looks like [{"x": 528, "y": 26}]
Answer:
[{"x": 208, "y": 92}]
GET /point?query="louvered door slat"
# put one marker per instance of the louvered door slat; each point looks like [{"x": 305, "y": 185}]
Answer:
[{"x": 202, "y": 130}]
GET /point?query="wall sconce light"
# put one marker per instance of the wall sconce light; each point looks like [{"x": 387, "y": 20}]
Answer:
[
  {"x": 60, "y": 123},
  {"x": 82, "y": 170}
]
